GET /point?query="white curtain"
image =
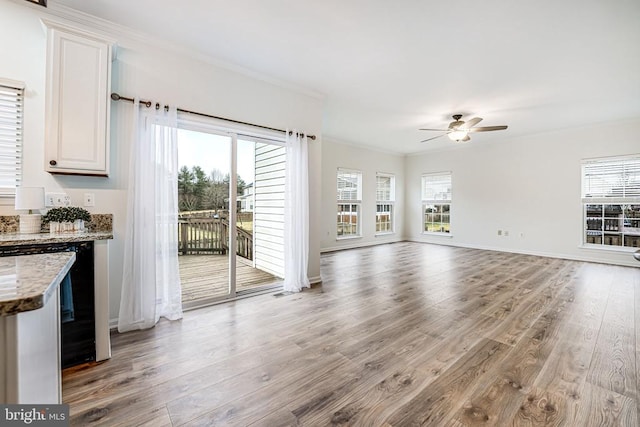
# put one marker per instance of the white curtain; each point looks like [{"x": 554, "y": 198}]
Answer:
[
  {"x": 151, "y": 280},
  {"x": 296, "y": 219}
]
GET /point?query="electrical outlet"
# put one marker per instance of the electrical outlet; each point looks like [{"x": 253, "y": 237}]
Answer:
[
  {"x": 499, "y": 232},
  {"x": 49, "y": 200},
  {"x": 89, "y": 199},
  {"x": 506, "y": 233},
  {"x": 56, "y": 200}
]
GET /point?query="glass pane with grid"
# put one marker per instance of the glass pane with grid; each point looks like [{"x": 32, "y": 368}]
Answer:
[
  {"x": 347, "y": 220},
  {"x": 612, "y": 224},
  {"x": 384, "y": 213},
  {"x": 437, "y": 218}
]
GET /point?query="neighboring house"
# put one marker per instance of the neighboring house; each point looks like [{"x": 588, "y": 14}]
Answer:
[{"x": 247, "y": 199}]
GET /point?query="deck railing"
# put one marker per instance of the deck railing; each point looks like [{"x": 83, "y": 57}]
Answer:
[{"x": 210, "y": 235}]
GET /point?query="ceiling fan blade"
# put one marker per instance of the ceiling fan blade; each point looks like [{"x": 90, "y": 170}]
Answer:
[
  {"x": 471, "y": 123},
  {"x": 487, "y": 128},
  {"x": 437, "y": 130},
  {"x": 435, "y": 137}
]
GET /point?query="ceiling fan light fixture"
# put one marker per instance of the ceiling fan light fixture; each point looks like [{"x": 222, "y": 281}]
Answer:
[
  {"x": 458, "y": 135},
  {"x": 458, "y": 130}
]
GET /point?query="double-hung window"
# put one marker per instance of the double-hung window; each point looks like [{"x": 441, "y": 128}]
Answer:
[
  {"x": 436, "y": 203},
  {"x": 349, "y": 203},
  {"x": 385, "y": 198},
  {"x": 11, "y": 109},
  {"x": 611, "y": 201}
]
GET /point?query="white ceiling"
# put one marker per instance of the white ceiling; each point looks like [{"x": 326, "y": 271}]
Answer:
[{"x": 387, "y": 68}]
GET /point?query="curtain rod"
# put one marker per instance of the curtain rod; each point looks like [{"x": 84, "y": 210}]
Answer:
[{"x": 116, "y": 97}]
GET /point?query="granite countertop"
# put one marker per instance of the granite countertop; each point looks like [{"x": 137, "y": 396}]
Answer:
[
  {"x": 11, "y": 239},
  {"x": 28, "y": 281}
]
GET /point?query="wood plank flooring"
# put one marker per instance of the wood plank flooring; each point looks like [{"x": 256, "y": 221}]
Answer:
[{"x": 404, "y": 334}]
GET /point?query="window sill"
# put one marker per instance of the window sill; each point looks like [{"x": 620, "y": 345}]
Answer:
[
  {"x": 609, "y": 248},
  {"x": 388, "y": 233},
  {"x": 435, "y": 233},
  {"x": 348, "y": 238}
]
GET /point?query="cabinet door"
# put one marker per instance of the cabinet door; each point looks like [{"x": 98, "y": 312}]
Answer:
[{"x": 78, "y": 84}]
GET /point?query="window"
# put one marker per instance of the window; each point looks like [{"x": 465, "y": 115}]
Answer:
[
  {"x": 436, "y": 202},
  {"x": 385, "y": 196},
  {"x": 349, "y": 200},
  {"x": 11, "y": 108},
  {"x": 611, "y": 201}
]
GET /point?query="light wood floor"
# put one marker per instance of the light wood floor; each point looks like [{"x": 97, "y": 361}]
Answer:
[
  {"x": 207, "y": 276},
  {"x": 398, "y": 335}
]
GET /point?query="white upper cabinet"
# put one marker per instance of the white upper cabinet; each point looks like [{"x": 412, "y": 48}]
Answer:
[{"x": 77, "y": 101}]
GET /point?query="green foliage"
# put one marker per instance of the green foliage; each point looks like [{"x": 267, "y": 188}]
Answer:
[
  {"x": 199, "y": 191},
  {"x": 185, "y": 181},
  {"x": 66, "y": 214}
]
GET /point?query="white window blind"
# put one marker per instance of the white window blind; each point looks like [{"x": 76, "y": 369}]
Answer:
[
  {"x": 385, "y": 188},
  {"x": 11, "y": 111},
  {"x": 436, "y": 186},
  {"x": 349, "y": 185},
  {"x": 611, "y": 179}
]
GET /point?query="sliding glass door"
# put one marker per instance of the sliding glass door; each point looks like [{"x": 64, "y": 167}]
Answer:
[
  {"x": 203, "y": 192},
  {"x": 230, "y": 211}
]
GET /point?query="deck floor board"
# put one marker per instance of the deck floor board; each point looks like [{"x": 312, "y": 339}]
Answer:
[{"x": 206, "y": 276}]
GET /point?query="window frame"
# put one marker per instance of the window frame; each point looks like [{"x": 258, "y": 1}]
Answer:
[
  {"x": 12, "y": 146},
  {"x": 611, "y": 203},
  {"x": 354, "y": 206},
  {"x": 385, "y": 202},
  {"x": 439, "y": 200}
]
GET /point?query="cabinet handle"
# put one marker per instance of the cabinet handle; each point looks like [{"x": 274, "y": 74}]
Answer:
[{"x": 53, "y": 162}]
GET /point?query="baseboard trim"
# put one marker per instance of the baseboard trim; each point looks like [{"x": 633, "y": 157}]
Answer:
[
  {"x": 315, "y": 280},
  {"x": 571, "y": 257},
  {"x": 360, "y": 245}
]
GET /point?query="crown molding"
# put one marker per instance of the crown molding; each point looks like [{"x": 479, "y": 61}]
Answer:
[{"x": 129, "y": 38}]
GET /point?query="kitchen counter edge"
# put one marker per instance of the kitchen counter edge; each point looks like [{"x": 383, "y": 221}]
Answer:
[{"x": 14, "y": 239}]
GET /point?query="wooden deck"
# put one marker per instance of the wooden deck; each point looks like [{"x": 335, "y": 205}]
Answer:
[{"x": 207, "y": 276}]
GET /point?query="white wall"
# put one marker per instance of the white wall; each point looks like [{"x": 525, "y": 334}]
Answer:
[
  {"x": 528, "y": 185},
  {"x": 144, "y": 70},
  {"x": 340, "y": 155}
]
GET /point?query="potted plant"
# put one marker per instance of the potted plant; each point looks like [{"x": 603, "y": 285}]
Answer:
[{"x": 66, "y": 219}]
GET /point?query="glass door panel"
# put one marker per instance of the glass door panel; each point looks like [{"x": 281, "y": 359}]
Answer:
[
  {"x": 260, "y": 215},
  {"x": 203, "y": 193}
]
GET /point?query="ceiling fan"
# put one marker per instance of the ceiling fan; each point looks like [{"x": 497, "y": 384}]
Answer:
[{"x": 459, "y": 130}]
